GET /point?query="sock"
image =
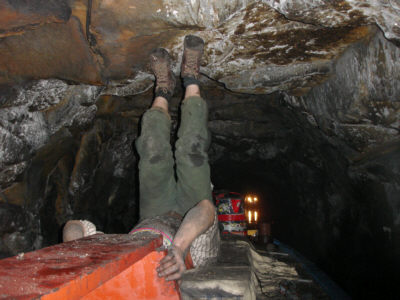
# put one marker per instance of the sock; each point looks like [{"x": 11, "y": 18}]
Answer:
[
  {"x": 190, "y": 80},
  {"x": 161, "y": 93}
]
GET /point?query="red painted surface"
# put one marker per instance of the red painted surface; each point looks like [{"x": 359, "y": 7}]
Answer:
[
  {"x": 225, "y": 218},
  {"x": 140, "y": 281},
  {"x": 73, "y": 270}
]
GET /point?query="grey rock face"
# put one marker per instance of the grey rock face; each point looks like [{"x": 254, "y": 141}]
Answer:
[
  {"x": 361, "y": 102},
  {"x": 22, "y": 132},
  {"x": 87, "y": 169},
  {"x": 385, "y": 13},
  {"x": 17, "y": 233},
  {"x": 256, "y": 46},
  {"x": 335, "y": 204},
  {"x": 253, "y": 46},
  {"x": 35, "y": 114}
]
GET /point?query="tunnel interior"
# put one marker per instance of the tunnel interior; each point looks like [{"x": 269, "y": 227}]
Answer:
[{"x": 307, "y": 117}]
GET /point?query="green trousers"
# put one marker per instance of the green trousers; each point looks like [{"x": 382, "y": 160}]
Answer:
[{"x": 160, "y": 192}]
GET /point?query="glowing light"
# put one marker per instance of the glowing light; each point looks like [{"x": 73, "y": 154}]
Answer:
[
  {"x": 255, "y": 199},
  {"x": 255, "y": 216},
  {"x": 249, "y": 216},
  {"x": 249, "y": 199}
]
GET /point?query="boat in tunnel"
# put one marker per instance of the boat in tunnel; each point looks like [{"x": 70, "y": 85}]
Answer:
[{"x": 303, "y": 115}]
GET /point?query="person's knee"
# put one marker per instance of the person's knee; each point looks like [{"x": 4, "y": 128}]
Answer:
[
  {"x": 192, "y": 149},
  {"x": 152, "y": 149}
]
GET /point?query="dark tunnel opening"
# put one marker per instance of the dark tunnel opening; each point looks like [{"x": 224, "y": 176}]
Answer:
[
  {"x": 329, "y": 209},
  {"x": 344, "y": 248}
]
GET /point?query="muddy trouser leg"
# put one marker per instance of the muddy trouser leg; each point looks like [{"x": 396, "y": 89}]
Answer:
[
  {"x": 156, "y": 165},
  {"x": 192, "y": 168}
]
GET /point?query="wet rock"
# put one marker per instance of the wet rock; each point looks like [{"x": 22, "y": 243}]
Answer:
[
  {"x": 253, "y": 46},
  {"x": 382, "y": 166},
  {"x": 16, "y": 232},
  {"x": 33, "y": 114},
  {"x": 382, "y": 12},
  {"x": 100, "y": 185},
  {"x": 250, "y": 47},
  {"x": 17, "y": 16},
  {"x": 13, "y": 218},
  {"x": 124, "y": 45},
  {"x": 19, "y": 242},
  {"x": 40, "y": 53},
  {"x": 335, "y": 203},
  {"x": 266, "y": 52},
  {"x": 142, "y": 83},
  {"x": 10, "y": 173},
  {"x": 14, "y": 194},
  {"x": 360, "y": 103},
  {"x": 21, "y": 132},
  {"x": 56, "y": 207}
]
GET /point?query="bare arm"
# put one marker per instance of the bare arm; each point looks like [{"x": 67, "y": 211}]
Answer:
[{"x": 197, "y": 221}]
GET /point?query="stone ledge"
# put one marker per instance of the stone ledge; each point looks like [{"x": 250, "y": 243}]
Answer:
[{"x": 244, "y": 272}]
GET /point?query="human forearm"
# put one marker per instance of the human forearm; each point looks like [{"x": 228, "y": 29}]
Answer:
[{"x": 197, "y": 221}]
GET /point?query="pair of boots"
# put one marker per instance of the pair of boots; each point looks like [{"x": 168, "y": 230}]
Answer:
[{"x": 160, "y": 63}]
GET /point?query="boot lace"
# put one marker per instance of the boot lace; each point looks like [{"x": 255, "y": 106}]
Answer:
[
  {"x": 191, "y": 64},
  {"x": 161, "y": 72}
]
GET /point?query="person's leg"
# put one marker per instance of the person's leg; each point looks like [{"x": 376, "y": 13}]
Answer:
[
  {"x": 156, "y": 164},
  {"x": 193, "y": 170}
]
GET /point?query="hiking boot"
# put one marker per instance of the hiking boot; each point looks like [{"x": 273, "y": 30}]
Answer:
[
  {"x": 160, "y": 63},
  {"x": 192, "y": 53}
]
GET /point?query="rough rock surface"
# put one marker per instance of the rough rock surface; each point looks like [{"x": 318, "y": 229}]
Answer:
[
  {"x": 385, "y": 13},
  {"x": 40, "y": 54},
  {"x": 342, "y": 211},
  {"x": 253, "y": 46},
  {"x": 87, "y": 169},
  {"x": 34, "y": 115},
  {"x": 322, "y": 148},
  {"x": 361, "y": 102},
  {"x": 17, "y": 15},
  {"x": 242, "y": 272}
]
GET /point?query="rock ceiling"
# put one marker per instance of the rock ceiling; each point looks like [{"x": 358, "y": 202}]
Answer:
[
  {"x": 253, "y": 46},
  {"x": 337, "y": 61}
]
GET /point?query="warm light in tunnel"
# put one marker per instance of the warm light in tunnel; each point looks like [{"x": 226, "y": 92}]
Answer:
[
  {"x": 251, "y": 199},
  {"x": 252, "y": 216}
]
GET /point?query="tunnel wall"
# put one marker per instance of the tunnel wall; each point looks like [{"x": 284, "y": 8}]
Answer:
[{"x": 326, "y": 164}]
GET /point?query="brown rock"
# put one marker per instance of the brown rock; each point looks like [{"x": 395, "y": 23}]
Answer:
[
  {"x": 14, "y": 194},
  {"x": 60, "y": 178},
  {"x": 125, "y": 32},
  {"x": 50, "y": 51},
  {"x": 79, "y": 9},
  {"x": 85, "y": 163},
  {"x": 17, "y": 14}
]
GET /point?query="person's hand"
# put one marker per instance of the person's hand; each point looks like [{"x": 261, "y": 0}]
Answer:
[{"x": 172, "y": 265}]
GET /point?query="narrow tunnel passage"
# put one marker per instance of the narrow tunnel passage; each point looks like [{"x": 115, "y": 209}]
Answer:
[
  {"x": 304, "y": 112},
  {"x": 320, "y": 204}
]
